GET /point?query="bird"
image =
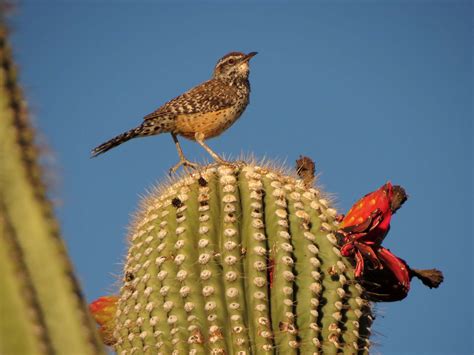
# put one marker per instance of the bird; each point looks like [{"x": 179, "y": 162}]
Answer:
[{"x": 201, "y": 113}]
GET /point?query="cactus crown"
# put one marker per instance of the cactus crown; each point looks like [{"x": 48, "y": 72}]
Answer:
[{"x": 238, "y": 260}]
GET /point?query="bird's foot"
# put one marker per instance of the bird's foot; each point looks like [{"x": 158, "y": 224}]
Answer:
[
  {"x": 230, "y": 164},
  {"x": 186, "y": 164}
]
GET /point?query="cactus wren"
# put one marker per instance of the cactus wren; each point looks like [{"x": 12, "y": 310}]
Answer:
[{"x": 203, "y": 112}]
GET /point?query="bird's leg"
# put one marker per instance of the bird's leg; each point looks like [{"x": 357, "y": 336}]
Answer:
[
  {"x": 182, "y": 159},
  {"x": 199, "y": 137}
]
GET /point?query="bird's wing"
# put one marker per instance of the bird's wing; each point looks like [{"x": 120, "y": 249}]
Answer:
[{"x": 210, "y": 96}]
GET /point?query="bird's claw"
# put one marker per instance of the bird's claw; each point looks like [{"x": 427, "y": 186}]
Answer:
[
  {"x": 186, "y": 164},
  {"x": 230, "y": 164}
]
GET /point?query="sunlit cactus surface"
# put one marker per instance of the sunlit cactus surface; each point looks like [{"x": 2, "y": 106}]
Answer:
[{"x": 238, "y": 259}]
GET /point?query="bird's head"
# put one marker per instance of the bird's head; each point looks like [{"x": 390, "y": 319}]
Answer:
[{"x": 233, "y": 65}]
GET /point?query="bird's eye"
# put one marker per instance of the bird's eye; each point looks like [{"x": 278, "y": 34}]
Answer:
[{"x": 231, "y": 61}]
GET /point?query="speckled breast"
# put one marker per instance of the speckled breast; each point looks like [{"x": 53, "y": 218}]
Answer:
[{"x": 210, "y": 124}]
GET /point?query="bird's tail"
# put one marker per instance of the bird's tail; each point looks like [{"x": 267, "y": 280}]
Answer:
[{"x": 121, "y": 138}]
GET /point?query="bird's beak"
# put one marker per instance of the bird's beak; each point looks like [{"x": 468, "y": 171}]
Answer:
[{"x": 249, "y": 56}]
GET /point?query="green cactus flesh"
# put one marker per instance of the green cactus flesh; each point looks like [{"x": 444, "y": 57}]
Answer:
[
  {"x": 42, "y": 310},
  {"x": 238, "y": 260}
]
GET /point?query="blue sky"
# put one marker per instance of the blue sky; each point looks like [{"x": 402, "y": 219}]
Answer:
[{"x": 372, "y": 91}]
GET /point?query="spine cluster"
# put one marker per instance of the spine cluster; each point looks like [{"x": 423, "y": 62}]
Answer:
[{"x": 238, "y": 260}]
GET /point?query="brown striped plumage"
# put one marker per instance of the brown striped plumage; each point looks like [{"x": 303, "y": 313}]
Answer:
[{"x": 203, "y": 112}]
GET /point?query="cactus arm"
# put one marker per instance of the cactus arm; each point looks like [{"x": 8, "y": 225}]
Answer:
[{"x": 28, "y": 212}]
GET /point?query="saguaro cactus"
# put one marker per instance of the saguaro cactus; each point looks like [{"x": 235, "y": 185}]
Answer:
[
  {"x": 238, "y": 260},
  {"x": 41, "y": 307}
]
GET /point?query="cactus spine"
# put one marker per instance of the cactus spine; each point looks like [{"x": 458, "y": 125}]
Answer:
[
  {"x": 238, "y": 260},
  {"x": 41, "y": 307}
]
